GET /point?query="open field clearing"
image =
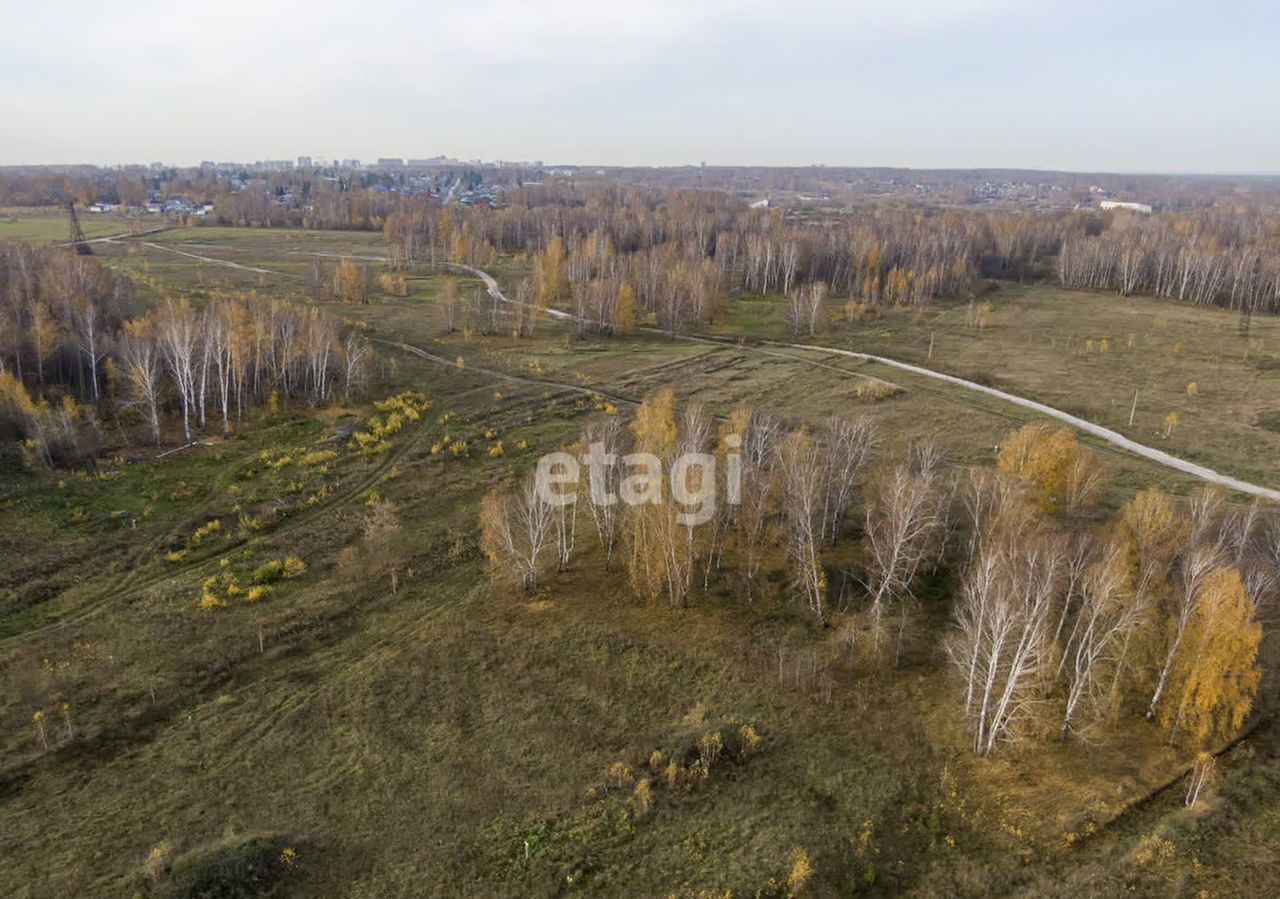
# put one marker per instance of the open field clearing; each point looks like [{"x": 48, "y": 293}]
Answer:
[
  {"x": 1020, "y": 352},
  {"x": 383, "y": 721},
  {"x": 40, "y": 226},
  {"x": 1088, "y": 354}
]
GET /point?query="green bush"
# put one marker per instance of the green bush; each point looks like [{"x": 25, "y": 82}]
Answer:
[
  {"x": 269, "y": 572},
  {"x": 244, "y": 866}
]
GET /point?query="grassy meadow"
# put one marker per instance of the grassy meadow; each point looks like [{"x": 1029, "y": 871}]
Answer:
[
  {"x": 1088, "y": 354},
  {"x": 387, "y": 723},
  {"x": 51, "y": 225}
]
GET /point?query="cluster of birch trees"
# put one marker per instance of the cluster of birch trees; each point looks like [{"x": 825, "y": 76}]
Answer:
[
  {"x": 680, "y": 252},
  {"x": 1068, "y": 630},
  {"x": 676, "y": 256},
  {"x": 1199, "y": 259},
  {"x": 236, "y": 352},
  {"x": 57, "y": 314},
  {"x": 1061, "y": 626},
  {"x": 780, "y": 492},
  {"x": 64, "y": 331}
]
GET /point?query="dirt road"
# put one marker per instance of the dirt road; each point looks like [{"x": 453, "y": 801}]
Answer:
[{"x": 1113, "y": 437}]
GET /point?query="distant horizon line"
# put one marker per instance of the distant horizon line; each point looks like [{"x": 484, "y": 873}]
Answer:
[{"x": 454, "y": 161}]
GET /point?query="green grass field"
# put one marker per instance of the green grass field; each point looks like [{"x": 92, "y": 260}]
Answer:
[
  {"x": 389, "y": 724},
  {"x": 1089, "y": 354},
  {"x": 51, "y": 226}
]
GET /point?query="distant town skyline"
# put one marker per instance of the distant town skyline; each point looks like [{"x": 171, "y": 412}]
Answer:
[{"x": 1139, "y": 86}]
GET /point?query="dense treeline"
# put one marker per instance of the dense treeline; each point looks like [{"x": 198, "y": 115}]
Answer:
[
  {"x": 1211, "y": 259},
  {"x": 675, "y": 256},
  {"x": 679, "y": 253},
  {"x": 678, "y": 250},
  {"x": 1065, "y": 622},
  {"x": 71, "y": 339}
]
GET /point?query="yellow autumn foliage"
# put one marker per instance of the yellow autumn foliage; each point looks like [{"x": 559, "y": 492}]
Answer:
[
  {"x": 1051, "y": 459},
  {"x": 1216, "y": 675}
]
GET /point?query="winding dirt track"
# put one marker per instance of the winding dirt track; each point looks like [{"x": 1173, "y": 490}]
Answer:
[
  {"x": 227, "y": 262},
  {"x": 1113, "y": 437}
]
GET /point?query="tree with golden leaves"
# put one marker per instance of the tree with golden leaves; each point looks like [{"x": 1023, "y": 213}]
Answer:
[
  {"x": 624, "y": 316},
  {"x": 650, "y": 523},
  {"x": 143, "y": 369},
  {"x": 449, "y": 304},
  {"x": 19, "y": 413},
  {"x": 654, "y": 425},
  {"x": 1065, "y": 473},
  {"x": 1152, "y": 533},
  {"x": 1217, "y": 675},
  {"x": 352, "y": 283},
  {"x": 553, "y": 279}
]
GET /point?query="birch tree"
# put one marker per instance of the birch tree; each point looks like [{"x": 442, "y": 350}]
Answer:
[
  {"x": 143, "y": 370},
  {"x": 801, "y": 482},
  {"x": 847, "y": 447},
  {"x": 1002, "y": 642},
  {"x": 179, "y": 338},
  {"x": 516, "y": 531},
  {"x": 606, "y": 445},
  {"x": 905, "y": 524},
  {"x": 1217, "y": 676},
  {"x": 1105, "y": 617},
  {"x": 761, "y": 433}
]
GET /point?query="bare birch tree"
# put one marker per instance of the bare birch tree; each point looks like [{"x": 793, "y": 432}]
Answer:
[
  {"x": 606, "y": 445},
  {"x": 516, "y": 530},
  {"x": 1003, "y": 637},
  {"x": 801, "y": 481},
  {"x": 847, "y": 447},
  {"x": 1106, "y": 615},
  {"x": 906, "y": 521}
]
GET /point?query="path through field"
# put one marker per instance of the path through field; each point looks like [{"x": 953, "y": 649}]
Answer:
[{"x": 1114, "y": 438}]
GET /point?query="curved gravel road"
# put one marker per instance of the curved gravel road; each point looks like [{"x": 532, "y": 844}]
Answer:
[{"x": 1160, "y": 457}]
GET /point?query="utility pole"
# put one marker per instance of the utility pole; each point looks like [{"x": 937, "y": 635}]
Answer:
[{"x": 78, "y": 242}]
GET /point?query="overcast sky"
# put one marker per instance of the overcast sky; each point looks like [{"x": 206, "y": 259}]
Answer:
[{"x": 1123, "y": 85}]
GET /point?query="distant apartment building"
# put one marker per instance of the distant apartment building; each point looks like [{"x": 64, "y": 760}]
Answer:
[
  {"x": 390, "y": 163},
  {"x": 304, "y": 162},
  {"x": 1123, "y": 204}
]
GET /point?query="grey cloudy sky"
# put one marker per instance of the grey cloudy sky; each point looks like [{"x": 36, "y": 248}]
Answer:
[{"x": 1125, "y": 85}]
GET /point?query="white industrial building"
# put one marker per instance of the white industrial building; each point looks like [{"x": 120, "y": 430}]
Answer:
[{"x": 1121, "y": 204}]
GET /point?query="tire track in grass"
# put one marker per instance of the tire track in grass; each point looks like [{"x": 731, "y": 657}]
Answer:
[
  {"x": 228, "y": 263},
  {"x": 136, "y": 581},
  {"x": 1100, "y": 432},
  {"x": 1151, "y": 454}
]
